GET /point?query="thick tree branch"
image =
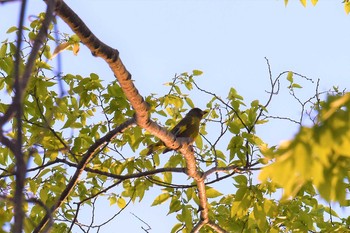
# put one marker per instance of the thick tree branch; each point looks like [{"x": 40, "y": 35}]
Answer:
[{"x": 111, "y": 56}]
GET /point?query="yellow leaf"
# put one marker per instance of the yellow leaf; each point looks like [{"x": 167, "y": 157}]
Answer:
[
  {"x": 314, "y": 2},
  {"x": 347, "y": 7},
  {"x": 335, "y": 105},
  {"x": 285, "y": 2},
  {"x": 112, "y": 200},
  {"x": 121, "y": 203},
  {"x": 303, "y": 2},
  {"x": 59, "y": 49},
  {"x": 76, "y": 48},
  {"x": 212, "y": 193}
]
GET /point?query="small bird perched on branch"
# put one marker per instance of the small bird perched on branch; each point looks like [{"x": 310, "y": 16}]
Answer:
[{"x": 188, "y": 127}]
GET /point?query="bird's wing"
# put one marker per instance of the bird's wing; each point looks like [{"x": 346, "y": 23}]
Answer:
[{"x": 179, "y": 128}]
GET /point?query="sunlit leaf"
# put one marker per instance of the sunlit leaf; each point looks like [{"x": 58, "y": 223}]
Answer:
[
  {"x": 295, "y": 85},
  {"x": 59, "y": 49},
  {"x": 189, "y": 102},
  {"x": 197, "y": 72},
  {"x": 12, "y": 29},
  {"x": 112, "y": 200},
  {"x": 76, "y": 47},
  {"x": 290, "y": 76},
  {"x": 3, "y": 50},
  {"x": 121, "y": 202},
  {"x": 212, "y": 193},
  {"x": 161, "y": 198},
  {"x": 176, "y": 228},
  {"x": 347, "y": 7}
]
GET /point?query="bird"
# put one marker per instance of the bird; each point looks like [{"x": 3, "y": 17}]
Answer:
[{"x": 188, "y": 127}]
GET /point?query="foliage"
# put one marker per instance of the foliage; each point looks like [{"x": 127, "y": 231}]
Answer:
[
  {"x": 314, "y": 2},
  {"x": 60, "y": 130},
  {"x": 319, "y": 154}
]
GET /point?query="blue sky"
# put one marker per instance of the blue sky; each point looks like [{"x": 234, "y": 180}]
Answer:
[{"x": 227, "y": 40}]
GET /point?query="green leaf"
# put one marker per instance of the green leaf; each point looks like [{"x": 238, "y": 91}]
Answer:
[
  {"x": 155, "y": 157},
  {"x": 290, "y": 76},
  {"x": 254, "y": 103},
  {"x": 3, "y": 50},
  {"x": 168, "y": 177},
  {"x": 12, "y": 29},
  {"x": 189, "y": 102},
  {"x": 176, "y": 228},
  {"x": 212, "y": 193},
  {"x": 197, "y": 72},
  {"x": 187, "y": 216},
  {"x": 199, "y": 142},
  {"x": 241, "y": 180},
  {"x": 175, "y": 205},
  {"x": 94, "y": 76},
  {"x": 177, "y": 89},
  {"x": 112, "y": 200},
  {"x": 44, "y": 194},
  {"x": 188, "y": 85},
  {"x": 160, "y": 199},
  {"x": 189, "y": 193},
  {"x": 260, "y": 217},
  {"x": 220, "y": 155},
  {"x": 295, "y": 85}
]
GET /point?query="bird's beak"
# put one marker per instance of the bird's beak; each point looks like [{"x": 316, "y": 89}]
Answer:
[{"x": 204, "y": 112}]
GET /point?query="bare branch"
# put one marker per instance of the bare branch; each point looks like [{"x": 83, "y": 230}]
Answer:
[{"x": 149, "y": 227}]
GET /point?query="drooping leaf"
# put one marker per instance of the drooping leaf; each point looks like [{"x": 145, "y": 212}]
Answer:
[
  {"x": 161, "y": 199},
  {"x": 314, "y": 2},
  {"x": 347, "y": 7},
  {"x": 59, "y": 49},
  {"x": 290, "y": 76}
]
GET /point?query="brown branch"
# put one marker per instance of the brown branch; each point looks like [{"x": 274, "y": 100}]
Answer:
[
  {"x": 235, "y": 168},
  {"x": 213, "y": 225},
  {"x": 111, "y": 56},
  {"x": 108, "y": 174},
  {"x": 216, "y": 227},
  {"x": 81, "y": 166},
  {"x": 7, "y": 142},
  {"x": 125, "y": 177}
]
